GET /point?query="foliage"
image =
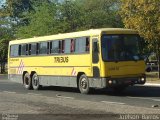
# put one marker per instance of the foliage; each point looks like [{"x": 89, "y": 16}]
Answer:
[
  {"x": 102, "y": 13},
  {"x": 41, "y": 23},
  {"x": 5, "y": 36},
  {"x": 74, "y": 15},
  {"x": 143, "y": 15}
]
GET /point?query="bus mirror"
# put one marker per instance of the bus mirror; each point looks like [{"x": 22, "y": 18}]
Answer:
[{"x": 95, "y": 47}]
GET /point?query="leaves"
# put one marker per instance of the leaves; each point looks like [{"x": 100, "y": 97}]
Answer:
[
  {"x": 68, "y": 16},
  {"x": 5, "y": 36},
  {"x": 142, "y": 15},
  {"x": 41, "y": 22}
]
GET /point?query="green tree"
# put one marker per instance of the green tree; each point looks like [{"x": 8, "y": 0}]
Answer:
[
  {"x": 70, "y": 14},
  {"x": 102, "y": 13},
  {"x": 42, "y": 21},
  {"x": 143, "y": 15},
  {"x": 5, "y": 36}
]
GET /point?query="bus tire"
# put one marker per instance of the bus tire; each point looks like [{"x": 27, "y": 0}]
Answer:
[
  {"x": 84, "y": 84},
  {"x": 35, "y": 82},
  {"x": 27, "y": 81}
]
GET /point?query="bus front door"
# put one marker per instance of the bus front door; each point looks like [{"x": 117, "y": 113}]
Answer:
[{"x": 95, "y": 62}]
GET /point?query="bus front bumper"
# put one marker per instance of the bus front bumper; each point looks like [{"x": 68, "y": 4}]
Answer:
[{"x": 113, "y": 82}]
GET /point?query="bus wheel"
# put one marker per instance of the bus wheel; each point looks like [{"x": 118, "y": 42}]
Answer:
[
  {"x": 84, "y": 84},
  {"x": 27, "y": 81},
  {"x": 35, "y": 82}
]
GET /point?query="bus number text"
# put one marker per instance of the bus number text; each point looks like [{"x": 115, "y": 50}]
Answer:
[{"x": 61, "y": 59}]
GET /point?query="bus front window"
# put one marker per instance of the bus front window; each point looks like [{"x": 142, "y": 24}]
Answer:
[{"x": 121, "y": 47}]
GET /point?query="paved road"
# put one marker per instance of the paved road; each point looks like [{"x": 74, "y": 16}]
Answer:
[
  {"x": 144, "y": 96},
  {"x": 60, "y": 102}
]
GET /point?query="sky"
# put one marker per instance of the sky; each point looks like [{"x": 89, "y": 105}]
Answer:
[{"x": 2, "y": 2}]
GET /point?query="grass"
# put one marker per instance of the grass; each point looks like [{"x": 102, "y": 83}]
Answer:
[{"x": 152, "y": 77}]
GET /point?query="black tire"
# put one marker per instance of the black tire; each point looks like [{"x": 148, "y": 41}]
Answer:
[
  {"x": 27, "y": 82},
  {"x": 35, "y": 82},
  {"x": 84, "y": 84}
]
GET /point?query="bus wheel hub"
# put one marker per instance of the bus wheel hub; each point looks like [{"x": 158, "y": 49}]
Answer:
[
  {"x": 35, "y": 81},
  {"x": 84, "y": 83}
]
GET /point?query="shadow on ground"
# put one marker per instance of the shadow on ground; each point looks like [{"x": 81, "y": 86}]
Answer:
[{"x": 133, "y": 91}]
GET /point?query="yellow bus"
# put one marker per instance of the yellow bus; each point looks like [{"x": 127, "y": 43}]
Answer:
[{"x": 95, "y": 58}]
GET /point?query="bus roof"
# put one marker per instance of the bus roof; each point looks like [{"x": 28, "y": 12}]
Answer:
[{"x": 91, "y": 32}]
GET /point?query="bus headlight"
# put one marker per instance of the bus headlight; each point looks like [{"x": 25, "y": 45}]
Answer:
[
  {"x": 142, "y": 79},
  {"x": 110, "y": 81}
]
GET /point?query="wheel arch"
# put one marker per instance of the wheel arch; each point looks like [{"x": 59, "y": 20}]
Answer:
[
  {"x": 32, "y": 73},
  {"x": 24, "y": 72}
]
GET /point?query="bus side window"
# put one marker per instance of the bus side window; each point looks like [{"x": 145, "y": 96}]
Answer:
[
  {"x": 48, "y": 47},
  {"x": 55, "y": 47},
  {"x": 59, "y": 47},
  {"x": 33, "y": 48},
  {"x": 76, "y": 45},
  {"x": 87, "y": 45},
  {"x": 80, "y": 45},
  {"x": 37, "y": 48},
  {"x": 29, "y": 49},
  {"x": 43, "y": 48},
  {"x": 23, "y": 49},
  {"x": 72, "y": 45},
  {"x": 67, "y": 46},
  {"x": 14, "y": 50},
  {"x": 19, "y": 50},
  {"x": 63, "y": 46}
]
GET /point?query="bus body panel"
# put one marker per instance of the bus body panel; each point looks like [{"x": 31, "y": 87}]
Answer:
[
  {"x": 49, "y": 71},
  {"x": 63, "y": 69},
  {"x": 121, "y": 69}
]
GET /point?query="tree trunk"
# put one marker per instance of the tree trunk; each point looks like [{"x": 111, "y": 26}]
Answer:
[
  {"x": 158, "y": 60},
  {"x": 159, "y": 67},
  {"x": 2, "y": 67}
]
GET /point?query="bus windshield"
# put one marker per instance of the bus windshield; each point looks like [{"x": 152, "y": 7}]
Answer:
[{"x": 121, "y": 47}]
